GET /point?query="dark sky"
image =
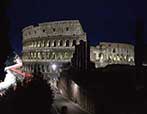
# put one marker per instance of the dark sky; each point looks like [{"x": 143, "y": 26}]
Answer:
[{"x": 102, "y": 20}]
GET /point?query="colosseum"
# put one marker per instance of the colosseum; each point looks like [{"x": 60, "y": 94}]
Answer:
[
  {"x": 49, "y": 45},
  {"x": 112, "y": 53}
]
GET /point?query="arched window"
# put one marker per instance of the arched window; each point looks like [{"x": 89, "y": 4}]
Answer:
[
  {"x": 34, "y": 55},
  {"x": 38, "y": 44},
  {"x": 43, "y": 55},
  {"x": 67, "y": 43},
  {"x": 35, "y": 31},
  {"x": 53, "y": 55},
  {"x": 44, "y": 30},
  {"x": 61, "y": 43},
  {"x": 55, "y": 43},
  {"x": 67, "y": 29},
  {"x": 74, "y": 43},
  {"x": 54, "y": 29},
  {"x": 42, "y": 68},
  {"x": 39, "y": 55},
  {"x": 60, "y": 56},
  {"x": 114, "y": 50},
  {"x": 48, "y": 55},
  {"x": 48, "y": 44},
  {"x": 35, "y": 44},
  {"x": 42, "y": 43}
]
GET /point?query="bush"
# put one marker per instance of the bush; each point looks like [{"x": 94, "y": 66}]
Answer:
[{"x": 34, "y": 97}]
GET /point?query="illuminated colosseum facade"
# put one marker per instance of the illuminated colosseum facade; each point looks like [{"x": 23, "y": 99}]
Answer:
[
  {"x": 50, "y": 43},
  {"x": 112, "y": 53}
]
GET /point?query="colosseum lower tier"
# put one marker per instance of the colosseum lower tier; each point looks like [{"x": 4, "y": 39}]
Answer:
[
  {"x": 47, "y": 46},
  {"x": 112, "y": 53}
]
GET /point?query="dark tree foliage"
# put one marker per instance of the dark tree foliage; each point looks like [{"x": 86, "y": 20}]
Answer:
[
  {"x": 33, "y": 97},
  {"x": 10, "y": 58}
]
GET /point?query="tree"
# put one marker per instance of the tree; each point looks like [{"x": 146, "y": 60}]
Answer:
[{"x": 34, "y": 97}]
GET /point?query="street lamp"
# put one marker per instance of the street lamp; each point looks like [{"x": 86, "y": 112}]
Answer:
[{"x": 54, "y": 67}]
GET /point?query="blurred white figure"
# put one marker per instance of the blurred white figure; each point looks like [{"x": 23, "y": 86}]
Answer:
[{"x": 10, "y": 78}]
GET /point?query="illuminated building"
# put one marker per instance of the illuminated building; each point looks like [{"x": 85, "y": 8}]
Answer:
[
  {"x": 50, "y": 43},
  {"x": 112, "y": 53}
]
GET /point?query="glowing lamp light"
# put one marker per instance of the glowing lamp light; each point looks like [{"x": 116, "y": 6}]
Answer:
[
  {"x": 54, "y": 66},
  {"x": 61, "y": 91},
  {"x": 75, "y": 89},
  {"x": 75, "y": 86}
]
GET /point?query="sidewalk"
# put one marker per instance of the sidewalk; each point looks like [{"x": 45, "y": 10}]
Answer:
[{"x": 72, "y": 108}]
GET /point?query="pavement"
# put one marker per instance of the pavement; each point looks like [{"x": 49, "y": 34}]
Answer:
[{"x": 72, "y": 108}]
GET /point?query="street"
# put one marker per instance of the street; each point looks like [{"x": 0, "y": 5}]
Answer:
[{"x": 72, "y": 108}]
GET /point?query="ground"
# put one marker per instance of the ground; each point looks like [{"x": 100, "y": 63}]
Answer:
[{"x": 72, "y": 108}]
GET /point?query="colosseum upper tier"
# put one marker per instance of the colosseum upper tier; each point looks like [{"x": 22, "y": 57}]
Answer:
[
  {"x": 50, "y": 42},
  {"x": 112, "y": 53}
]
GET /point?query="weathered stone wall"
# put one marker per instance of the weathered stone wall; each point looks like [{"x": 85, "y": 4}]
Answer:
[
  {"x": 112, "y": 53},
  {"x": 77, "y": 94}
]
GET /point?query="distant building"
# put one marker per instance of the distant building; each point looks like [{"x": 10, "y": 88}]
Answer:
[
  {"x": 50, "y": 43},
  {"x": 107, "y": 53}
]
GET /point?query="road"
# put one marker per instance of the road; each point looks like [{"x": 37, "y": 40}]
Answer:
[{"x": 72, "y": 108}]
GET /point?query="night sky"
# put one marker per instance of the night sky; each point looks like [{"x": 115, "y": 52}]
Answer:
[{"x": 102, "y": 20}]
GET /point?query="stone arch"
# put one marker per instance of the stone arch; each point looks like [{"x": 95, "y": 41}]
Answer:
[
  {"x": 32, "y": 55},
  {"x": 77, "y": 42},
  {"x": 55, "y": 43},
  {"x": 61, "y": 42},
  {"x": 48, "y": 68},
  {"x": 57, "y": 56},
  {"x": 43, "y": 55},
  {"x": 45, "y": 68},
  {"x": 29, "y": 55},
  {"x": 67, "y": 43},
  {"x": 42, "y": 68},
  {"x": 37, "y": 67},
  {"x": 52, "y": 44},
  {"x": 65, "y": 55},
  {"x": 48, "y": 44},
  {"x": 42, "y": 43},
  {"x": 48, "y": 55},
  {"x": 74, "y": 42},
  {"x": 53, "y": 56},
  {"x": 118, "y": 57},
  {"x": 70, "y": 43},
  {"x": 113, "y": 50},
  {"x": 32, "y": 68},
  {"x": 81, "y": 41},
  {"x": 32, "y": 44},
  {"x": 35, "y": 44},
  {"x": 39, "y": 55}
]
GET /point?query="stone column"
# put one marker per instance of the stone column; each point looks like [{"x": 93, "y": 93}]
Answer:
[
  {"x": 64, "y": 43},
  {"x": 70, "y": 43},
  {"x": 58, "y": 43},
  {"x": 52, "y": 43}
]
